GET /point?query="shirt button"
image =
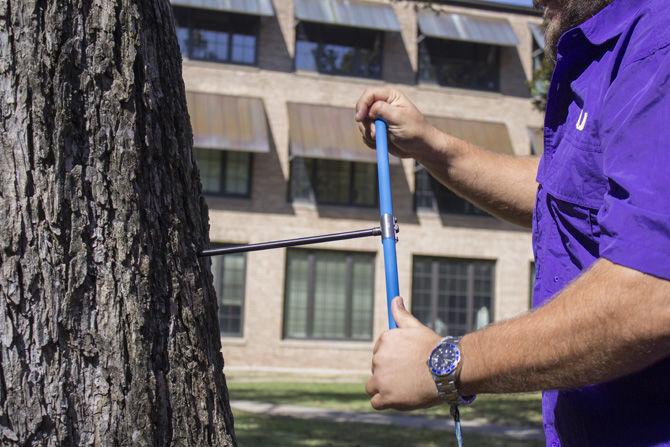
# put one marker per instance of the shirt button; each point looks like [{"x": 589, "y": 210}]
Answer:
[{"x": 555, "y": 278}]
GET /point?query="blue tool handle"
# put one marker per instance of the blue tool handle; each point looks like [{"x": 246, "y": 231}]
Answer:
[{"x": 386, "y": 208}]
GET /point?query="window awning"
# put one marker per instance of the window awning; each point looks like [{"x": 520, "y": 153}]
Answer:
[
  {"x": 485, "y": 134},
  {"x": 538, "y": 34},
  {"x": 232, "y": 123},
  {"x": 467, "y": 28},
  {"x": 253, "y": 7},
  {"x": 326, "y": 132},
  {"x": 536, "y": 136},
  {"x": 354, "y": 13}
]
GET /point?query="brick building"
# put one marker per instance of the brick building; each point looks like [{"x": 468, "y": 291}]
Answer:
[{"x": 271, "y": 87}]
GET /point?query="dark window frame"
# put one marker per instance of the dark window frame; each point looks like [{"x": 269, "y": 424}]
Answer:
[
  {"x": 438, "y": 197},
  {"x": 469, "y": 292},
  {"x": 311, "y": 290},
  {"x": 230, "y": 18},
  {"x": 423, "y": 41},
  {"x": 222, "y": 177},
  {"x": 313, "y": 174},
  {"x": 380, "y": 35},
  {"x": 219, "y": 305}
]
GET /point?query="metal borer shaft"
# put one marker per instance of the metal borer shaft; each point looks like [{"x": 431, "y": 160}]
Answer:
[{"x": 292, "y": 242}]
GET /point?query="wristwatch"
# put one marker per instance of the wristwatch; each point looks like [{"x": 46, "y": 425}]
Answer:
[{"x": 444, "y": 364}]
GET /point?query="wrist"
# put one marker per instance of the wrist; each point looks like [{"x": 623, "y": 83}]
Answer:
[
  {"x": 437, "y": 148},
  {"x": 465, "y": 377},
  {"x": 445, "y": 363}
]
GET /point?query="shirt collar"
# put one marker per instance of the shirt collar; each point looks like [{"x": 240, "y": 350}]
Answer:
[{"x": 610, "y": 21}]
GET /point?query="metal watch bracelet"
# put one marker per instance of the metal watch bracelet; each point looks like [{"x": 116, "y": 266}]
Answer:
[{"x": 446, "y": 385}]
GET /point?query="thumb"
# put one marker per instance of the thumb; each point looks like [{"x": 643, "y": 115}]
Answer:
[{"x": 403, "y": 318}]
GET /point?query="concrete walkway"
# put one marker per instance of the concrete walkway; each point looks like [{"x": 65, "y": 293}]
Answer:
[{"x": 477, "y": 426}]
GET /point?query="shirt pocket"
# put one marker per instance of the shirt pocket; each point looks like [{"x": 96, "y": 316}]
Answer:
[{"x": 575, "y": 171}]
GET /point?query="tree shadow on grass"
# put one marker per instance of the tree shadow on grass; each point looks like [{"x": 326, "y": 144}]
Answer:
[
  {"x": 523, "y": 410},
  {"x": 275, "y": 431}
]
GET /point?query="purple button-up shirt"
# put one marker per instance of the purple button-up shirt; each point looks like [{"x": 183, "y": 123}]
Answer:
[{"x": 605, "y": 192}]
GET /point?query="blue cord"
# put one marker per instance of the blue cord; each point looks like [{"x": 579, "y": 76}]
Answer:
[{"x": 457, "y": 425}]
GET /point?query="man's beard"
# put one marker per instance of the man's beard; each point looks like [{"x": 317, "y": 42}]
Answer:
[{"x": 561, "y": 15}]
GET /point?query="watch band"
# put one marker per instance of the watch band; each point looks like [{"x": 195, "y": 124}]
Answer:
[{"x": 446, "y": 384}]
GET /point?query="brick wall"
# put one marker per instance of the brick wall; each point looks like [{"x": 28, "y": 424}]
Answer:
[{"x": 268, "y": 215}]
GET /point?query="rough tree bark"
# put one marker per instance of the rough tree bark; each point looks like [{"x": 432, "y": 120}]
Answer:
[{"x": 108, "y": 331}]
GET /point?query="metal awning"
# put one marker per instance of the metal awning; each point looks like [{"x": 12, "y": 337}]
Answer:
[
  {"x": 232, "y": 123},
  {"x": 485, "y": 134},
  {"x": 467, "y": 28},
  {"x": 253, "y": 7},
  {"x": 354, "y": 13},
  {"x": 538, "y": 34},
  {"x": 536, "y": 136},
  {"x": 326, "y": 132}
]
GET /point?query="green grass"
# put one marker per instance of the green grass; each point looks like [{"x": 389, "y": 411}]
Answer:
[
  {"x": 274, "y": 431},
  {"x": 512, "y": 410}
]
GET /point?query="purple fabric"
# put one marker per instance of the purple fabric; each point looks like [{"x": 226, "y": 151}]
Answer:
[{"x": 605, "y": 192}]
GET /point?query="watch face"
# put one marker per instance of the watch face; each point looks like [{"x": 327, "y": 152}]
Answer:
[{"x": 444, "y": 359}]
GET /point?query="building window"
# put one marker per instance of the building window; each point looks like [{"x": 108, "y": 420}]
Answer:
[
  {"x": 217, "y": 36},
  {"x": 338, "y": 50},
  {"x": 334, "y": 182},
  {"x": 429, "y": 194},
  {"x": 452, "y": 296},
  {"x": 459, "y": 64},
  {"x": 229, "y": 273},
  {"x": 329, "y": 295},
  {"x": 224, "y": 173}
]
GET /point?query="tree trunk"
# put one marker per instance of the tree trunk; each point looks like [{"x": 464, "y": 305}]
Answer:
[{"x": 108, "y": 330}]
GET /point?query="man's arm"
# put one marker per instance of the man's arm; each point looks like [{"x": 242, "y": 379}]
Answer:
[
  {"x": 610, "y": 322},
  {"x": 503, "y": 185}
]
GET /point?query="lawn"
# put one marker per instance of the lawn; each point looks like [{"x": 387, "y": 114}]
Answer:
[
  {"x": 513, "y": 410},
  {"x": 274, "y": 431}
]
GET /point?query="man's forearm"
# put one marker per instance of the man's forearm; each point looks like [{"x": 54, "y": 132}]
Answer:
[
  {"x": 610, "y": 322},
  {"x": 503, "y": 185}
]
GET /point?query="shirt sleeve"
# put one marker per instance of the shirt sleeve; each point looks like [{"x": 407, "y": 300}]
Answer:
[{"x": 635, "y": 136}]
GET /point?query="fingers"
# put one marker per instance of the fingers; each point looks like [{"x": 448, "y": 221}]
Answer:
[
  {"x": 378, "y": 402},
  {"x": 368, "y": 98},
  {"x": 402, "y": 317},
  {"x": 371, "y": 387},
  {"x": 372, "y": 391},
  {"x": 383, "y": 110},
  {"x": 367, "y": 131}
]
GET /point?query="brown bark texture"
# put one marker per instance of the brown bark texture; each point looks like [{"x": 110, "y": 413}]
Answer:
[{"x": 108, "y": 330}]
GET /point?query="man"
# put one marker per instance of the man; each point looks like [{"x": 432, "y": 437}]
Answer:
[{"x": 599, "y": 206}]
